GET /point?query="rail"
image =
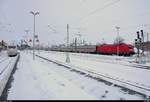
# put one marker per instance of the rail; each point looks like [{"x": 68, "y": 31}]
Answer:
[{"x": 6, "y": 73}]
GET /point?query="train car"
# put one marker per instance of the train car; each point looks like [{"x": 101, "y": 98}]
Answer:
[
  {"x": 77, "y": 49},
  {"x": 12, "y": 50},
  {"x": 85, "y": 49},
  {"x": 122, "y": 49}
]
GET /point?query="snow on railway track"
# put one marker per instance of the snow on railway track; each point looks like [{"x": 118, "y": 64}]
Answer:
[
  {"x": 124, "y": 64},
  {"x": 6, "y": 67},
  {"x": 134, "y": 86},
  {"x": 107, "y": 59},
  {"x": 3, "y": 59}
]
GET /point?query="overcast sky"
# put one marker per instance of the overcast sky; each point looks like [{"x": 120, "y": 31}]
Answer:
[{"x": 94, "y": 19}]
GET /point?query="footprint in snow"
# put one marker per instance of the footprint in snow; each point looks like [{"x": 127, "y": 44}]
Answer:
[{"x": 62, "y": 84}]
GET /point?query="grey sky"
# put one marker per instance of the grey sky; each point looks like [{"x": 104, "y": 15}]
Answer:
[{"x": 128, "y": 14}]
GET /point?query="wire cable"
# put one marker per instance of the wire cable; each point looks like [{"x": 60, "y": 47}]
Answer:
[{"x": 99, "y": 9}]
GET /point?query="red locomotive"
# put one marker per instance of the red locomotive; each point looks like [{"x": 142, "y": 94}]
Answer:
[{"x": 121, "y": 49}]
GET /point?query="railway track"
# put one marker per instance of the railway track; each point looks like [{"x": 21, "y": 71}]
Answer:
[
  {"x": 115, "y": 62},
  {"x": 132, "y": 65},
  {"x": 6, "y": 71},
  {"x": 3, "y": 59},
  {"x": 3, "y": 68},
  {"x": 128, "y": 85},
  {"x": 140, "y": 66}
]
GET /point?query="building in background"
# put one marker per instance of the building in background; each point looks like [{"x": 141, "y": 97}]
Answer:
[{"x": 3, "y": 45}]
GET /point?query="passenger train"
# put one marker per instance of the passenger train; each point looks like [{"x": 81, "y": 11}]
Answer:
[{"x": 121, "y": 49}]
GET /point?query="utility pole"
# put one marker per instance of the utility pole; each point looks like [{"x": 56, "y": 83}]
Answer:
[
  {"x": 34, "y": 14},
  {"x": 103, "y": 41},
  {"x": 2, "y": 43},
  {"x": 67, "y": 54},
  {"x": 148, "y": 47},
  {"x": 27, "y": 31},
  {"x": 138, "y": 38},
  {"x": 142, "y": 42},
  {"x": 147, "y": 37},
  {"x": 75, "y": 44},
  {"x": 48, "y": 46},
  {"x": 118, "y": 40}
]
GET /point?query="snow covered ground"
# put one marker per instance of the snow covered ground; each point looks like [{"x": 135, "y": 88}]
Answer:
[
  {"x": 114, "y": 69},
  {"x": 6, "y": 67},
  {"x": 35, "y": 81},
  {"x": 43, "y": 80}
]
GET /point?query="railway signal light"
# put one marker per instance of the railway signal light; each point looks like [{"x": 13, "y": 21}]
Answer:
[
  {"x": 142, "y": 35},
  {"x": 138, "y": 35},
  {"x": 36, "y": 36},
  {"x": 140, "y": 40},
  {"x": 37, "y": 40},
  {"x": 136, "y": 41},
  {"x": 30, "y": 40}
]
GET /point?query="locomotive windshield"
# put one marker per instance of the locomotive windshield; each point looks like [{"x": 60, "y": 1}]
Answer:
[
  {"x": 130, "y": 46},
  {"x": 12, "y": 47}
]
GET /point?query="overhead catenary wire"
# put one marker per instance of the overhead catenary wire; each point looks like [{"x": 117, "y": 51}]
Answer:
[
  {"x": 97, "y": 10},
  {"x": 54, "y": 30},
  {"x": 89, "y": 14},
  {"x": 94, "y": 11}
]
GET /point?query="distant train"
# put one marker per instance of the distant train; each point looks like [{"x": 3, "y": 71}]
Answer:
[
  {"x": 12, "y": 50},
  {"x": 121, "y": 49}
]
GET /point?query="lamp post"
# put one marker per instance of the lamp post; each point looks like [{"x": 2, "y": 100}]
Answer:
[
  {"x": 34, "y": 14},
  {"x": 118, "y": 40}
]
